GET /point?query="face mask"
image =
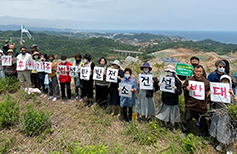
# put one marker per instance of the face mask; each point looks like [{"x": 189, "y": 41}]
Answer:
[
  {"x": 63, "y": 62},
  {"x": 50, "y": 59},
  {"x": 85, "y": 61},
  {"x": 222, "y": 70},
  {"x": 194, "y": 65},
  {"x": 23, "y": 53},
  {"x": 126, "y": 76},
  {"x": 145, "y": 71},
  {"x": 78, "y": 60},
  {"x": 169, "y": 73},
  {"x": 36, "y": 57},
  {"x": 102, "y": 64}
]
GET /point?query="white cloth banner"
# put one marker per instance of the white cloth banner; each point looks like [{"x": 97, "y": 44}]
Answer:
[
  {"x": 125, "y": 90},
  {"x": 62, "y": 70},
  {"x": 167, "y": 84},
  {"x": 40, "y": 66},
  {"x": 197, "y": 90},
  {"x": 220, "y": 92},
  {"x": 112, "y": 75},
  {"x": 98, "y": 73},
  {"x": 6, "y": 60},
  {"x": 85, "y": 73},
  {"x": 21, "y": 65},
  {"x": 30, "y": 64},
  {"x": 146, "y": 81}
]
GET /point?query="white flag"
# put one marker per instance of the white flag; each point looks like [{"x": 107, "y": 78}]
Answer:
[{"x": 25, "y": 30}]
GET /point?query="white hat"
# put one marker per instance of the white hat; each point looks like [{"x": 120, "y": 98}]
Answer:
[
  {"x": 170, "y": 68},
  {"x": 226, "y": 77},
  {"x": 116, "y": 62}
]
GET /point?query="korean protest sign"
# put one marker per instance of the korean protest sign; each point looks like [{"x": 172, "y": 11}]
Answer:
[
  {"x": 40, "y": 66},
  {"x": 112, "y": 75},
  {"x": 30, "y": 64},
  {"x": 6, "y": 60},
  {"x": 197, "y": 90},
  {"x": 220, "y": 92},
  {"x": 98, "y": 73},
  {"x": 21, "y": 65},
  {"x": 73, "y": 71},
  {"x": 62, "y": 70},
  {"x": 48, "y": 67},
  {"x": 184, "y": 69},
  {"x": 167, "y": 84},
  {"x": 125, "y": 90},
  {"x": 146, "y": 81},
  {"x": 85, "y": 73}
]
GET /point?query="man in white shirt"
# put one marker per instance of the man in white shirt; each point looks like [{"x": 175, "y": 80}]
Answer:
[{"x": 24, "y": 75}]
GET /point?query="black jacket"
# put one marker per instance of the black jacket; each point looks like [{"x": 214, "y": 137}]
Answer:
[{"x": 172, "y": 98}]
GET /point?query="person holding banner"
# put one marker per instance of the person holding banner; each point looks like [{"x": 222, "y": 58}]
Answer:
[
  {"x": 169, "y": 108},
  {"x": 23, "y": 72},
  {"x": 114, "y": 98},
  {"x": 65, "y": 80},
  {"x": 88, "y": 84},
  {"x": 10, "y": 71},
  {"x": 53, "y": 84},
  {"x": 128, "y": 102},
  {"x": 34, "y": 74},
  {"x": 77, "y": 80},
  {"x": 42, "y": 74},
  {"x": 196, "y": 99},
  {"x": 102, "y": 86},
  {"x": 2, "y": 74},
  {"x": 145, "y": 105},
  {"x": 221, "y": 127}
]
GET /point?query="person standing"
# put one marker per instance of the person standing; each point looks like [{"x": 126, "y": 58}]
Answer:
[
  {"x": 25, "y": 74},
  {"x": 2, "y": 74},
  {"x": 10, "y": 71},
  {"x": 77, "y": 80},
  {"x": 195, "y": 108}
]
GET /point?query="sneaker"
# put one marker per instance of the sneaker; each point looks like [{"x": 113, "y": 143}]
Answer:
[
  {"x": 69, "y": 100},
  {"x": 139, "y": 119},
  {"x": 80, "y": 100},
  {"x": 63, "y": 100},
  {"x": 173, "y": 130},
  {"x": 45, "y": 96},
  {"x": 54, "y": 99},
  {"x": 87, "y": 103},
  {"x": 50, "y": 97},
  {"x": 218, "y": 147},
  {"x": 229, "y": 152},
  {"x": 76, "y": 98},
  {"x": 149, "y": 120},
  {"x": 90, "y": 103},
  {"x": 183, "y": 135}
]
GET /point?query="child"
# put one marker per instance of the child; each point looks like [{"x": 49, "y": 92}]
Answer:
[
  {"x": 114, "y": 98},
  {"x": 145, "y": 105},
  {"x": 126, "y": 101},
  {"x": 169, "y": 108},
  {"x": 65, "y": 80},
  {"x": 77, "y": 81},
  {"x": 53, "y": 84},
  {"x": 88, "y": 84},
  {"x": 221, "y": 127}
]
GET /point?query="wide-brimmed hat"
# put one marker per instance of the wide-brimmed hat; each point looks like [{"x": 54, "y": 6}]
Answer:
[
  {"x": 170, "y": 68},
  {"x": 10, "y": 50},
  {"x": 146, "y": 64},
  {"x": 226, "y": 77},
  {"x": 34, "y": 46},
  {"x": 36, "y": 53},
  {"x": 116, "y": 62}
]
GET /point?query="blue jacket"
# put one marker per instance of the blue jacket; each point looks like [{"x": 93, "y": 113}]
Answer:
[
  {"x": 214, "y": 77},
  {"x": 125, "y": 101}
]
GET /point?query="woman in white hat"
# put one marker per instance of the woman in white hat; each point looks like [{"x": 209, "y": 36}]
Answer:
[
  {"x": 114, "y": 99},
  {"x": 169, "y": 108},
  {"x": 221, "y": 127}
]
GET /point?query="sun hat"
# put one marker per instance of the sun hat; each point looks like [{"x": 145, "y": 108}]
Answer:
[
  {"x": 116, "y": 62},
  {"x": 146, "y": 64},
  {"x": 226, "y": 77},
  {"x": 170, "y": 68}
]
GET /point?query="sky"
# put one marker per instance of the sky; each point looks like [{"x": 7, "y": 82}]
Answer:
[{"x": 216, "y": 15}]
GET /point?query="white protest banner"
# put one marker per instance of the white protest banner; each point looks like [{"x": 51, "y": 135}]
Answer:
[
  {"x": 167, "y": 84},
  {"x": 197, "y": 90},
  {"x": 85, "y": 73},
  {"x": 98, "y": 73},
  {"x": 73, "y": 71},
  {"x": 62, "y": 70},
  {"x": 6, "y": 60},
  {"x": 112, "y": 75},
  {"x": 146, "y": 81},
  {"x": 30, "y": 64},
  {"x": 48, "y": 67},
  {"x": 21, "y": 65},
  {"x": 125, "y": 90},
  {"x": 40, "y": 66},
  {"x": 220, "y": 92}
]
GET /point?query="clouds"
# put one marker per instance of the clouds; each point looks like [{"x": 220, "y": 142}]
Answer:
[{"x": 126, "y": 14}]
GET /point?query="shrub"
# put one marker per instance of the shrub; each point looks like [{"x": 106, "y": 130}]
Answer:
[
  {"x": 10, "y": 85},
  {"x": 9, "y": 113},
  {"x": 89, "y": 149},
  {"x": 188, "y": 144},
  {"x": 35, "y": 122}
]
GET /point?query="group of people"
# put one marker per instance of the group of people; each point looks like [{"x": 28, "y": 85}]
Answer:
[{"x": 108, "y": 93}]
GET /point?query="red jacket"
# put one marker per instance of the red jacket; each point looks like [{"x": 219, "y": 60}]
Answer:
[{"x": 67, "y": 78}]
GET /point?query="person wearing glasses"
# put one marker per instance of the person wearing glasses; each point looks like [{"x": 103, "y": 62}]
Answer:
[{"x": 24, "y": 75}]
